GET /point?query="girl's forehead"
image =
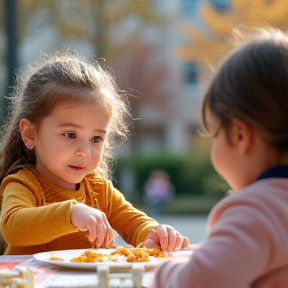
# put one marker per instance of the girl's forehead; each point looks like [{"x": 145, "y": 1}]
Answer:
[
  {"x": 85, "y": 115},
  {"x": 70, "y": 97},
  {"x": 73, "y": 105},
  {"x": 78, "y": 108}
]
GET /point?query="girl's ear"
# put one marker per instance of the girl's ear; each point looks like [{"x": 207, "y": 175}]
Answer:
[
  {"x": 28, "y": 133},
  {"x": 241, "y": 135}
]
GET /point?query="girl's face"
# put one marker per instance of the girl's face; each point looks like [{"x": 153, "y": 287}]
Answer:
[
  {"x": 224, "y": 155},
  {"x": 69, "y": 143}
]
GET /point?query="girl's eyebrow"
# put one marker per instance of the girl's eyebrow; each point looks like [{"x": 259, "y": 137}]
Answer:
[{"x": 75, "y": 125}]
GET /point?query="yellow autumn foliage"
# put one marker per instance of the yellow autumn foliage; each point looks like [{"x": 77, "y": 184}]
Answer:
[
  {"x": 90, "y": 20},
  {"x": 206, "y": 48}
]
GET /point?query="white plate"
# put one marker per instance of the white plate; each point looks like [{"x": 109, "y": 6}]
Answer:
[
  {"x": 181, "y": 253},
  {"x": 67, "y": 255}
]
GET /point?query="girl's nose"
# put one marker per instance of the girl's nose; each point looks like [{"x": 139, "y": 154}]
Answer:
[{"x": 83, "y": 152}]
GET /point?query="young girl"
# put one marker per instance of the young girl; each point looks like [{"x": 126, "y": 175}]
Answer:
[
  {"x": 245, "y": 110},
  {"x": 67, "y": 116}
]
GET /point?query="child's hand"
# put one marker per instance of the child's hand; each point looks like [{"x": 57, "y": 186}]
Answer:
[
  {"x": 165, "y": 238},
  {"x": 89, "y": 219}
]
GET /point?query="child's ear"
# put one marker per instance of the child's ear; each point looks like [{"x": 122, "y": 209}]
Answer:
[
  {"x": 242, "y": 135},
  {"x": 28, "y": 133}
]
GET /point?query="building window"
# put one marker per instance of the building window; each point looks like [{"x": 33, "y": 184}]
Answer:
[
  {"x": 190, "y": 73},
  {"x": 220, "y": 5},
  {"x": 189, "y": 8}
]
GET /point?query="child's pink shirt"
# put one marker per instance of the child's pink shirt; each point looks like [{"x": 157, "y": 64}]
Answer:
[{"x": 247, "y": 238}]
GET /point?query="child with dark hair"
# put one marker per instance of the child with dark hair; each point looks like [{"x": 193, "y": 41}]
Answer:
[
  {"x": 245, "y": 110},
  {"x": 67, "y": 117}
]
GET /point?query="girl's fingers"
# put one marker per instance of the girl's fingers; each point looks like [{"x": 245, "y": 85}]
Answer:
[
  {"x": 109, "y": 236},
  {"x": 185, "y": 242},
  {"x": 101, "y": 232},
  {"x": 149, "y": 243},
  {"x": 166, "y": 238},
  {"x": 172, "y": 237},
  {"x": 162, "y": 233},
  {"x": 159, "y": 236},
  {"x": 92, "y": 232},
  {"x": 109, "y": 233},
  {"x": 92, "y": 220},
  {"x": 96, "y": 230},
  {"x": 178, "y": 242},
  {"x": 181, "y": 242},
  {"x": 102, "y": 226}
]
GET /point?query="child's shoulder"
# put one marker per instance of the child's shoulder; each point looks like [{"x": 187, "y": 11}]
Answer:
[
  {"x": 259, "y": 197},
  {"x": 23, "y": 175}
]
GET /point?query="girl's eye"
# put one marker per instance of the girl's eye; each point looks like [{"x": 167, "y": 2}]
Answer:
[
  {"x": 96, "y": 139},
  {"x": 70, "y": 135}
]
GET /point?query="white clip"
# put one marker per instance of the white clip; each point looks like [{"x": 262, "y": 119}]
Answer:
[
  {"x": 103, "y": 276},
  {"x": 136, "y": 275},
  {"x": 21, "y": 277}
]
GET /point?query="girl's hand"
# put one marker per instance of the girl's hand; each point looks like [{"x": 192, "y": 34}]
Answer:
[
  {"x": 165, "y": 238},
  {"x": 275, "y": 279},
  {"x": 94, "y": 221}
]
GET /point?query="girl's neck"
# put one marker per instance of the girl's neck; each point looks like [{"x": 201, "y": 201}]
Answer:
[{"x": 37, "y": 173}]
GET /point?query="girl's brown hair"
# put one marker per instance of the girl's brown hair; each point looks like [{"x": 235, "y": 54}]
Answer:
[
  {"x": 37, "y": 92},
  {"x": 252, "y": 85}
]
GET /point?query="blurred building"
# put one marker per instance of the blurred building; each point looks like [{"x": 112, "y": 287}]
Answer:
[
  {"x": 168, "y": 110},
  {"x": 167, "y": 126}
]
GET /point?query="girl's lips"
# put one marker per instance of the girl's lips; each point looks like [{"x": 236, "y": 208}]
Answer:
[{"x": 76, "y": 167}]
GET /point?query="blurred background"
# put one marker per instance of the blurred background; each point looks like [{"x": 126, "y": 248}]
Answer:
[{"x": 162, "y": 53}]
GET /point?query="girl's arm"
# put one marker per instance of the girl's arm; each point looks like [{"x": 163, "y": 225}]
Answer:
[
  {"x": 132, "y": 224},
  {"x": 25, "y": 224},
  {"x": 275, "y": 279},
  {"x": 232, "y": 256},
  {"x": 135, "y": 226}
]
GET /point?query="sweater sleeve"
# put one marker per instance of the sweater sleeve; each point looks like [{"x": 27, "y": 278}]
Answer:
[
  {"x": 234, "y": 254},
  {"x": 32, "y": 225},
  {"x": 132, "y": 224}
]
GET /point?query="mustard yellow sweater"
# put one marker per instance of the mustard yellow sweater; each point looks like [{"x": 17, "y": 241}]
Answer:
[{"x": 35, "y": 214}]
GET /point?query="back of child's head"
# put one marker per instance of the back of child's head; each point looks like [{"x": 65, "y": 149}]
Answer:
[
  {"x": 62, "y": 78},
  {"x": 251, "y": 85}
]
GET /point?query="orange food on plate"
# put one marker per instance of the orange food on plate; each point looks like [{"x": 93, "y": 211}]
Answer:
[
  {"x": 56, "y": 258},
  {"x": 89, "y": 256},
  {"x": 129, "y": 254}
]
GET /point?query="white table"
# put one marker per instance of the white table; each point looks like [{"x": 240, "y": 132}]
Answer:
[{"x": 52, "y": 276}]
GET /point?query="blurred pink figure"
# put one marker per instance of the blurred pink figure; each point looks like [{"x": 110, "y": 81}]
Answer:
[{"x": 158, "y": 190}]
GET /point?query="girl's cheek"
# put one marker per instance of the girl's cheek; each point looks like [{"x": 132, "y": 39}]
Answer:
[{"x": 213, "y": 158}]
